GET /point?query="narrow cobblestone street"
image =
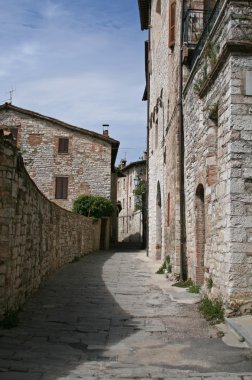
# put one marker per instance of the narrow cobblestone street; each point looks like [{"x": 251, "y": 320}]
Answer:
[{"x": 109, "y": 316}]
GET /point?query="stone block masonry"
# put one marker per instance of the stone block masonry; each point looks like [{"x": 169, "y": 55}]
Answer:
[
  {"x": 64, "y": 161},
  {"x": 217, "y": 124},
  {"x": 37, "y": 237}
]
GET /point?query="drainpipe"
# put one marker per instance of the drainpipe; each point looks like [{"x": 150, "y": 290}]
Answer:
[
  {"x": 148, "y": 147},
  {"x": 183, "y": 260}
]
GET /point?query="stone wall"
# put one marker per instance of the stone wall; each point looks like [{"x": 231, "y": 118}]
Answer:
[
  {"x": 36, "y": 236},
  {"x": 87, "y": 165},
  {"x": 130, "y": 221},
  {"x": 218, "y": 161},
  {"x": 163, "y": 165}
]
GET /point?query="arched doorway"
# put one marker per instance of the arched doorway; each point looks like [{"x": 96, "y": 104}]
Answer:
[
  {"x": 200, "y": 233},
  {"x": 158, "y": 223}
]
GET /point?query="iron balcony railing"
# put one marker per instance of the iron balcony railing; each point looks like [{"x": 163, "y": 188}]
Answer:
[
  {"x": 194, "y": 22},
  {"x": 197, "y": 27}
]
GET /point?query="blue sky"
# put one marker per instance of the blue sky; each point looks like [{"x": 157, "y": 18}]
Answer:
[{"x": 81, "y": 61}]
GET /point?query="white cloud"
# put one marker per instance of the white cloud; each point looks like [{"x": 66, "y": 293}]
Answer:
[{"x": 80, "y": 61}]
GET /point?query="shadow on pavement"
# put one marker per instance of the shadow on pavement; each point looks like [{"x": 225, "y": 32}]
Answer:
[
  {"x": 68, "y": 321},
  {"x": 106, "y": 316}
]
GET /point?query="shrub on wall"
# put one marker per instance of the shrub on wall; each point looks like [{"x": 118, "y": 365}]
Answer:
[{"x": 93, "y": 206}]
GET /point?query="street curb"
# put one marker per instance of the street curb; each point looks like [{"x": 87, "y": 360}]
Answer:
[{"x": 241, "y": 326}]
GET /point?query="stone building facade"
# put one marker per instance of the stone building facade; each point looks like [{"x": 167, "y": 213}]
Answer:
[
  {"x": 63, "y": 160},
  {"x": 37, "y": 237},
  {"x": 214, "y": 130},
  {"x": 130, "y": 219},
  {"x": 162, "y": 66}
]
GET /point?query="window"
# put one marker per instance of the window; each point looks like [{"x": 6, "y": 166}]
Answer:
[
  {"x": 63, "y": 145},
  {"x": 11, "y": 130},
  {"x": 172, "y": 23},
  {"x": 14, "y": 132},
  {"x": 61, "y": 187},
  {"x": 158, "y": 7}
]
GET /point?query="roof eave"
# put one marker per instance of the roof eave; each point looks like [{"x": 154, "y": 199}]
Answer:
[
  {"x": 10, "y": 106},
  {"x": 114, "y": 143},
  {"x": 144, "y": 6}
]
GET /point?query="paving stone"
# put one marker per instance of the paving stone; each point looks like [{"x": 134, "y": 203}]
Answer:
[
  {"x": 20, "y": 376},
  {"x": 224, "y": 377},
  {"x": 126, "y": 327}
]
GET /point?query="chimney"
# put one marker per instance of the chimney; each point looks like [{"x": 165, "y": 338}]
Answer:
[
  {"x": 123, "y": 163},
  {"x": 105, "y": 130}
]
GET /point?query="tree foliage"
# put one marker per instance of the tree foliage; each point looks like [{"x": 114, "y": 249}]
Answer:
[
  {"x": 93, "y": 206},
  {"x": 140, "y": 192}
]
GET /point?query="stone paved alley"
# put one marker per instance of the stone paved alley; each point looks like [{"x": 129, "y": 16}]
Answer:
[{"x": 109, "y": 316}]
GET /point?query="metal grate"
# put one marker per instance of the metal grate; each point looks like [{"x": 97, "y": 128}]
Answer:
[
  {"x": 193, "y": 26},
  {"x": 198, "y": 24},
  {"x": 206, "y": 31}
]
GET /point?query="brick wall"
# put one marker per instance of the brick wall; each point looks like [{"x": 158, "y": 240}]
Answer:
[{"x": 36, "y": 236}]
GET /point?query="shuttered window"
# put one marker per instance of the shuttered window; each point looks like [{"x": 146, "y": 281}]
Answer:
[
  {"x": 172, "y": 23},
  {"x": 61, "y": 187},
  {"x": 63, "y": 145}
]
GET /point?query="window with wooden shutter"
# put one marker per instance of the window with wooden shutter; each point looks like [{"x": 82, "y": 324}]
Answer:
[
  {"x": 172, "y": 23},
  {"x": 63, "y": 145},
  {"x": 61, "y": 187}
]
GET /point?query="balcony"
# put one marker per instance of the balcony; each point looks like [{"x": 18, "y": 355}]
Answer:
[
  {"x": 197, "y": 26},
  {"x": 195, "y": 19}
]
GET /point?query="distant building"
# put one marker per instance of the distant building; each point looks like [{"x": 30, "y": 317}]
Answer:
[
  {"x": 130, "y": 221},
  {"x": 64, "y": 161}
]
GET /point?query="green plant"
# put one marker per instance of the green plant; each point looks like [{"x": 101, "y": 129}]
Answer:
[
  {"x": 209, "y": 283},
  {"x": 184, "y": 284},
  {"x": 199, "y": 85},
  {"x": 211, "y": 52},
  {"x": 194, "y": 288},
  {"x": 220, "y": 334},
  {"x": 140, "y": 193},
  {"x": 200, "y": 82},
  {"x": 93, "y": 206},
  {"x": 212, "y": 310},
  {"x": 213, "y": 112},
  {"x": 10, "y": 319},
  {"x": 169, "y": 268},
  {"x": 166, "y": 265}
]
